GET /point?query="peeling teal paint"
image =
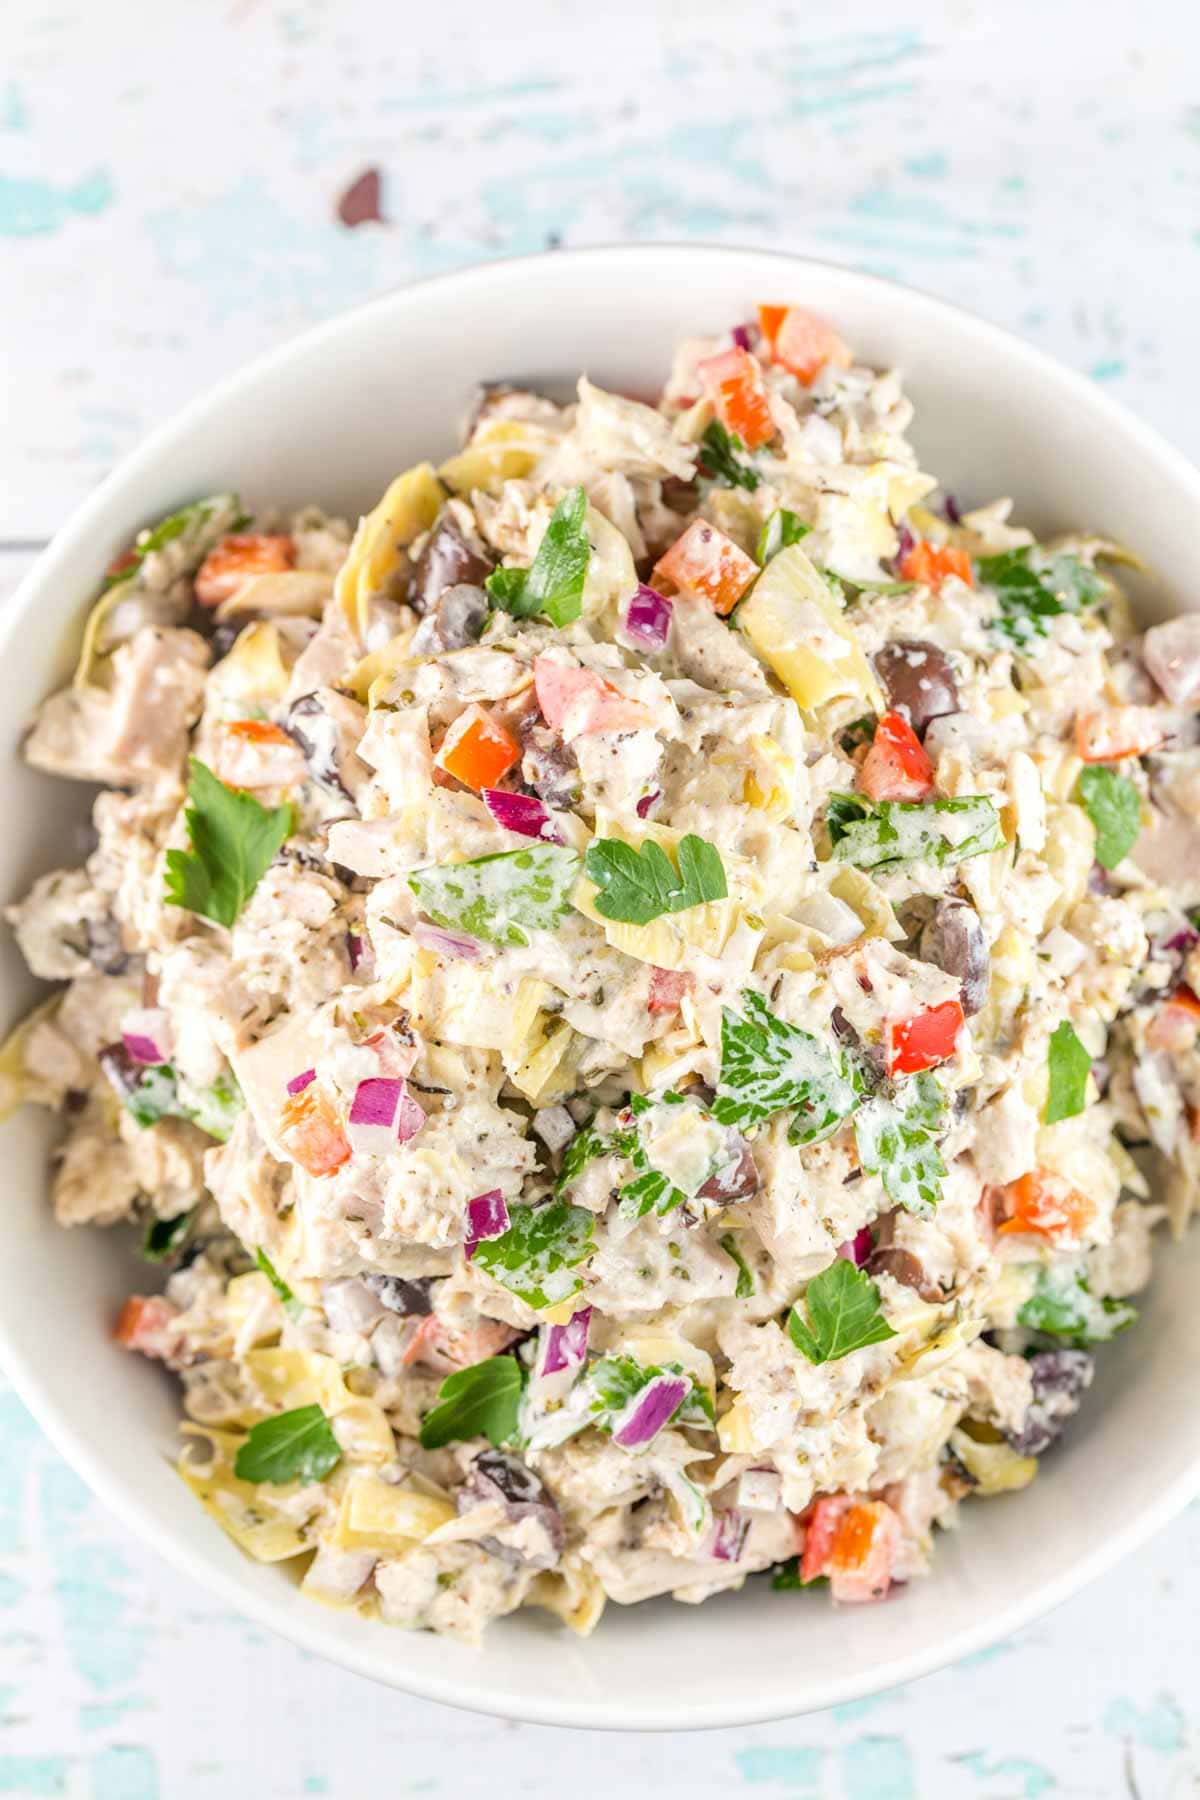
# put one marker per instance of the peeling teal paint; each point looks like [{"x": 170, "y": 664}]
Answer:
[
  {"x": 849, "y": 1710},
  {"x": 878, "y": 1768},
  {"x": 979, "y": 1658},
  {"x": 1109, "y": 369},
  {"x": 454, "y": 99},
  {"x": 11, "y": 1590},
  {"x": 124, "y": 1772},
  {"x": 34, "y": 208},
  {"x": 1033, "y": 1778},
  {"x": 930, "y": 167},
  {"x": 99, "y": 1715},
  {"x": 795, "y": 1769},
  {"x": 30, "y": 1776},
  {"x": 14, "y": 113},
  {"x": 91, "y": 1583},
  {"x": 19, "y": 1435},
  {"x": 1160, "y": 1726}
]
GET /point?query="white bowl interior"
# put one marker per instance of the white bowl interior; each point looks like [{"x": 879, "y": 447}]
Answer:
[{"x": 332, "y": 417}]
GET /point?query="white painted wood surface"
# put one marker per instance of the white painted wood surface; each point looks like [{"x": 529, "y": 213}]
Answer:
[{"x": 169, "y": 183}]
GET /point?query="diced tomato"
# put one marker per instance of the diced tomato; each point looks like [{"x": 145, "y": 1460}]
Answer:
[
  {"x": 253, "y": 753},
  {"x": 667, "y": 988},
  {"x": 707, "y": 564},
  {"x": 1177, "y": 1023},
  {"x": 146, "y": 1324},
  {"x": 931, "y": 564},
  {"x": 735, "y": 385},
  {"x": 896, "y": 766},
  {"x": 575, "y": 701},
  {"x": 1117, "y": 732},
  {"x": 437, "y": 1345},
  {"x": 236, "y": 560},
  {"x": 925, "y": 1040},
  {"x": 854, "y": 1542},
  {"x": 477, "y": 750},
  {"x": 312, "y": 1132},
  {"x": 801, "y": 341},
  {"x": 1045, "y": 1205}
]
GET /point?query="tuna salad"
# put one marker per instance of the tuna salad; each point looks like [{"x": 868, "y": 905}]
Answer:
[{"x": 618, "y": 996}]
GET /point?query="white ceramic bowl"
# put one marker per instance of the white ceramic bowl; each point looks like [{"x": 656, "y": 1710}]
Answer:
[{"x": 331, "y": 417}]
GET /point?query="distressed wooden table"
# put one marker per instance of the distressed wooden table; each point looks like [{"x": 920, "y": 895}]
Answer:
[{"x": 184, "y": 184}]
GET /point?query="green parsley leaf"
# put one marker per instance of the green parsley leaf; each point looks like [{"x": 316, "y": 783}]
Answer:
[
  {"x": 859, "y": 731},
  {"x": 745, "y": 1280},
  {"x": 769, "y": 1066},
  {"x": 583, "y": 1148},
  {"x": 147, "y": 1092},
  {"x": 1069, "y": 1063},
  {"x": 196, "y": 522},
  {"x": 1063, "y": 1306},
  {"x": 896, "y": 1141},
  {"x": 215, "y": 1109},
  {"x": 1114, "y": 806},
  {"x": 234, "y": 843},
  {"x": 293, "y": 1306},
  {"x": 538, "y": 1254},
  {"x": 554, "y": 581},
  {"x": 842, "y": 1304},
  {"x": 165, "y": 1236},
  {"x": 721, "y": 450},
  {"x": 481, "y": 1401},
  {"x": 293, "y": 1446},
  {"x": 636, "y": 886},
  {"x": 1033, "y": 586},
  {"x": 787, "y": 1577},
  {"x": 501, "y": 898},
  {"x": 781, "y": 529},
  {"x": 880, "y": 834}
]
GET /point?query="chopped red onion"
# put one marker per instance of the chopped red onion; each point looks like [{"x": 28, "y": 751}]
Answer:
[
  {"x": 951, "y": 509},
  {"x": 382, "y": 1114},
  {"x": 648, "y": 801},
  {"x": 741, "y": 336},
  {"x": 729, "y": 1536},
  {"x": 648, "y": 618},
  {"x": 563, "y": 1347},
  {"x": 355, "y": 948},
  {"x": 146, "y": 1035},
  {"x": 298, "y": 1083},
  {"x": 523, "y": 813},
  {"x": 487, "y": 1217},
  {"x": 857, "y": 1249},
  {"x": 905, "y": 541},
  {"x": 447, "y": 943},
  {"x": 648, "y": 1411}
]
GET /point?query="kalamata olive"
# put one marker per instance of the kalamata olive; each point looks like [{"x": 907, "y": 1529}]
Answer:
[
  {"x": 411, "y": 1299},
  {"x": 459, "y": 615},
  {"x": 505, "y": 1479},
  {"x": 316, "y": 732},
  {"x": 1060, "y": 1380},
  {"x": 904, "y": 1267},
  {"x": 737, "y": 1178},
  {"x": 105, "y": 948},
  {"x": 447, "y": 560},
  {"x": 919, "y": 681},
  {"x": 954, "y": 940},
  {"x": 549, "y": 768}
]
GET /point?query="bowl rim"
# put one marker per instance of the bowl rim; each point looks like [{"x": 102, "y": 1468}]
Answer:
[{"x": 468, "y": 1690}]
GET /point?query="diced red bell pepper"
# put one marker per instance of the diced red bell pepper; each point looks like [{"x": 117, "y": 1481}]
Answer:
[
  {"x": 443, "y": 1347},
  {"x": 1043, "y": 1204},
  {"x": 119, "y": 565},
  {"x": 1177, "y": 1023},
  {"x": 854, "y": 1543},
  {"x": 734, "y": 383},
  {"x": 925, "y": 1040},
  {"x": 931, "y": 564},
  {"x": 477, "y": 750},
  {"x": 575, "y": 701},
  {"x": 896, "y": 766},
  {"x": 253, "y": 753},
  {"x": 146, "y": 1324},
  {"x": 1117, "y": 732},
  {"x": 706, "y": 564},
  {"x": 801, "y": 341},
  {"x": 312, "y": 1133},
  {"x": 237, "y": 559},
  {"x": 667, "y": 988}
]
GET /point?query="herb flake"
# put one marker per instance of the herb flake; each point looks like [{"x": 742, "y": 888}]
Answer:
[
  {"x": 635, "y": 886},
  {"x": 234, "y": 842},
  {"x": 293, "y": 1446},
  {"x": 481, "y": 1401},
  {"x": 554, "y": 581},
  {"x": 843, "y": 1314}
]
